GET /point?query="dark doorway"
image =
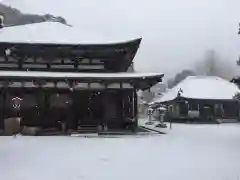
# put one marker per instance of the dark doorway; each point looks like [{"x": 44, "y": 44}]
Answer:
[
  {"x": 30, "y": 110},
  {"x": 88, "y": 108},
  {"x": 51, "y": 108},
  {"x": 60, "y": 109}
]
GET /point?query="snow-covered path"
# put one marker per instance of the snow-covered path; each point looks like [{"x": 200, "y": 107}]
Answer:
[{"x": 189, "y": 152}]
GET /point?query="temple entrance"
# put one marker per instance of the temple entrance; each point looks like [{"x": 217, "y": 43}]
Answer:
[
  {"x": 59, "y": 112},
  {"x": 91, "y": 108},
  {"x": 58, "y": 108},
  {"x": 87, "y": 108},
  {"x": 94, "y": 108}
]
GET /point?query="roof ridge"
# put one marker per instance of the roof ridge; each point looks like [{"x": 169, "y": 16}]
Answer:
[
  {"x": 203, "y": 76},
  {"x": 39, "y": 22},
  {"x": 206, "y": 77}
]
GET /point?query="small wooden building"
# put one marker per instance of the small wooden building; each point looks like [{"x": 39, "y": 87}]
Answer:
[
  {"x": 58, "y": 79},
  {"x": 202, "y": 98}
]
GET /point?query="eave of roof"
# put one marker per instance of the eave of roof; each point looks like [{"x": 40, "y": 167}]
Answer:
[
  {"x": 140, "y": 80},
  {"x": 41, "y": 74},
  {"x": 44, "y": 40}
]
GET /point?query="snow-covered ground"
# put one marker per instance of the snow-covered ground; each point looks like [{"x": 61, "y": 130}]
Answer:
[{"x": 189, "y": 152}]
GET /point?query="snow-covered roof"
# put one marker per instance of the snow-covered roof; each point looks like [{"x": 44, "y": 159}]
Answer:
[
  {"x": 162, "y": 108},
  {"x": 34, "y": 74},
  {"x": 52, "y": 33},
  {"x": 201, "y": 87}
]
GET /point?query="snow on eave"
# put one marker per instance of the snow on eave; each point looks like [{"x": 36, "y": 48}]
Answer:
[
  {"x": 56, "y": 33},
  {"x": 41, "y": 74}
]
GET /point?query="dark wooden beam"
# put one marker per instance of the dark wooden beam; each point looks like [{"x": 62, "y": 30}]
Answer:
[
  {"x": 48, "y": 62},
  {"x": 113, "y": 52},
  {"x": 53, "y": 69}
]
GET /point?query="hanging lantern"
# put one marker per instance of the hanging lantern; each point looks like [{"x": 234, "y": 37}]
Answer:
[
  {"x": 71, "y": 89},
  {"x": 16, "y": 103},
  {"x": 8, "y": 52}
]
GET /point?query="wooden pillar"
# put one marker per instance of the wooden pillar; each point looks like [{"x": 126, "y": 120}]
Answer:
[
  {"x": 123, "y": 99},
  {"x": 74, "y": 107},
  {"x": 105, "y": 105},
  {"x": 20, "y": 62},
  {"x": 45, "y": 108},
  {"x": 41, "y": 101},
  {"x": 2, "y": 104},
  {"x": 4, "y": 97},
  {"x": 72, "y": 119},
  {"x": 133, "y": 105},
  {"x": 135, "y": 102},
  {"x": 37, "y": 98}
]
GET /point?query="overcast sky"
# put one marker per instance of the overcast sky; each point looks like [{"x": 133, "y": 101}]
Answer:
[{"x": 175, "y": 33}]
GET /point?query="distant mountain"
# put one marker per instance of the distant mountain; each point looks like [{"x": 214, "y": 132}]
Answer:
[{"x": 14, "y": 17}]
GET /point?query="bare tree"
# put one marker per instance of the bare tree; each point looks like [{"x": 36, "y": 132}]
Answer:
[
  {"x": 213, "y": 65},
  {"x": 179, "y": 77},
  {"x": 236, "y": 80}
]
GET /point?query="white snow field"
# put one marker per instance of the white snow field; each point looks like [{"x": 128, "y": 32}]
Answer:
[{"x": 189, "y": 152}]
